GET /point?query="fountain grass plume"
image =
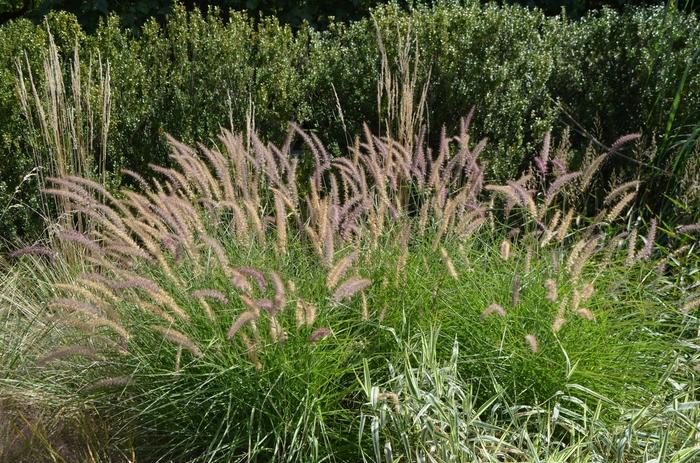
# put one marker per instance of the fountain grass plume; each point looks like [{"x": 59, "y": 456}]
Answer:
[{"x": 186, "y": 283}]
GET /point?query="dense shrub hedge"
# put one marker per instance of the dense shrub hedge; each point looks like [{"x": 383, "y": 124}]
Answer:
[
  {"x": 614, "y": 73},
  {"x": 318, "y": 13}
]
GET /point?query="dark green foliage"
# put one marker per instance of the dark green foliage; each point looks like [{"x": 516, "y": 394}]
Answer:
[
  {"x": 134, "y": 13},
  {"x": 187, "y": 78},
  {"x": 579, "y": 8},
  {"x": 318, "y": 13},
  {"x": 621, "y": 74}
]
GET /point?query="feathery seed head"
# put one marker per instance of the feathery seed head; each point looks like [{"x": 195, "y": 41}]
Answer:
[
  {"x": 179, "y": 339},
  {"x": 280, "y": 299},
  {"x": 319, "y": 334},
  {"x": 449, "y": 264},
  {"x": 255, "y": 274},
  {"x": 515, "y": 292},
  {"x": 351, "y": 287},
  {"x": 305, "y": 313},
  {"x": 551, "y": 287},
  {"x": 339, "y": 270},
  {"x": 505, "y": 249},
  {"x": 33, "y": 250},
  {"x": 240, "y": 282},
  {"x": 558, "y": 323},
  {"x": 211, "y": 294},
  {"x": 493, "y": 308},
  {"x": 70, "y": 351},
  {"x": 242, "y": 320},
  {"x": 531, "y": 341},
  {"x": 620, "y": 206},
  {"x": 587, "y": 291},
  {"x": 109, "y": 383},
  {"x": 690, "y": 228},
  {"x": 645, "y": 252}
]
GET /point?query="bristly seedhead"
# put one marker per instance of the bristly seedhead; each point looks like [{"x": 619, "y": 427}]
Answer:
[
  {"x": 551, "y": 287},
  {"x": 349, "y": 288},
  {"x": 33, "y": 250},
  {"x": 256, "y": 274},
  {"x": 242, "y": 320},
  {"x": 505, "y": 250},
  {"x": 211, "y": 294},
  {"x": 565, "y": 226},
  {"x": 690, "y": 228},
  {"x": 137, "y": 177},
  {"x": 280, "y": 299},
  {"x": 690, "y": 306},
  {"x": 623, "y": 188},
  {"x": 180, "y": 339},
  {"x": 319, "y": 334},
  {"x": 542, "y": 161},
  {"x": 531, "y": 341},
  {"x": 493, "y": 308},
  {"x": 560, "y": 318},
  {"x": 515, "y": 292},
  {"x": 620, "y": 206},
  {"x": 240, "y": 282},
  {"x": 631, "y": 247},
  {"x": 587, "y": 291},
  {"x": 558, "y": 324},
  {"x": 80, "y": 238},
  {"x": 70, "y": 351},
  {"x": 109, "y": 383},
  {"x": 645, "y": 252},
  {"x": 305, "y": 313},
  {"x": 339, "y": 269},
  {"x": 528, "y": 260}
]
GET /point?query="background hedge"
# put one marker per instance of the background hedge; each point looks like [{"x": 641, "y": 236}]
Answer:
[
  {"x": 318, "y": 13},
  {"x": 612, "y": 72}
]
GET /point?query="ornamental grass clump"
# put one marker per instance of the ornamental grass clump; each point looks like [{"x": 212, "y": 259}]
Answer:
[{"x": 224, "y": 309}]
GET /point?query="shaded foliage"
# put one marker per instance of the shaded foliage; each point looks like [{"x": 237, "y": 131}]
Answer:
[{"x": 318, "y": 13}]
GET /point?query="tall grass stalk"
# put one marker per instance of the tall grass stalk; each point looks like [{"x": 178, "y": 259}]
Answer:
[{"x": 69, "y": 122}]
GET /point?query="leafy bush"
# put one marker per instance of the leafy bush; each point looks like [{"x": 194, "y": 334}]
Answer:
[
  {"x": 469, "y": 56},
  {"x": 622, "y": 74},
  {"x": 134, "y": 13}
]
